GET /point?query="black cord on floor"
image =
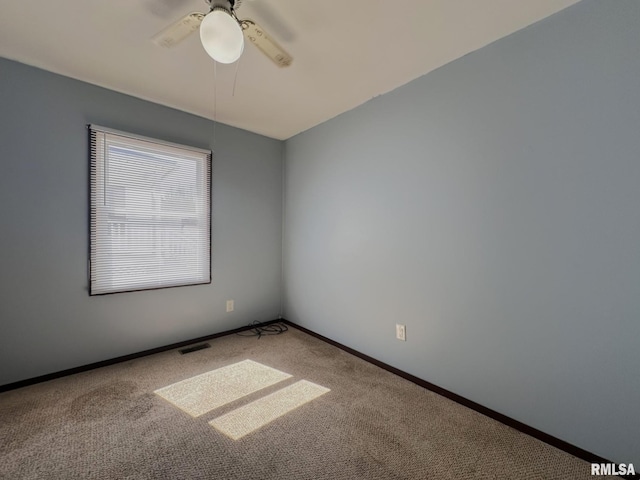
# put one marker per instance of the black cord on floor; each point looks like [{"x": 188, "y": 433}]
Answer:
[{"x": 259, "y": 329}]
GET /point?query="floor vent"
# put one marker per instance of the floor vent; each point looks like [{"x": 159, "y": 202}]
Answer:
[{"x": 195, "y": 348}]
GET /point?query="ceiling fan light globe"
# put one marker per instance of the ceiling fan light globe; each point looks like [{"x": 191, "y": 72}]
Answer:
[{"x": 221, "y": 36}]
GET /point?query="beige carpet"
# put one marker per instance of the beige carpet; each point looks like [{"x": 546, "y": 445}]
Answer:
[{"x": 358, "y": 422}]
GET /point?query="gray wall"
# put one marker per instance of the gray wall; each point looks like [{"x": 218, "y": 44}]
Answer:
[
  {"x": 492, "y": 206},
  {"x": 48, "y": 322}
]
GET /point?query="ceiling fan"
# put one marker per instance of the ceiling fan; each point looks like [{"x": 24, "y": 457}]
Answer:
[{"x": 222, "y": 34}]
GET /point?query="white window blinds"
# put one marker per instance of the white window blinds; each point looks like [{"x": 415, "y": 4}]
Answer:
[{"x": 150, "y": 213}]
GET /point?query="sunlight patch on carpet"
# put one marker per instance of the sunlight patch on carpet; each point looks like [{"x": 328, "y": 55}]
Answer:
[
  {"x": 244, "y": 420},
  {"x": 203, "y": 393}
]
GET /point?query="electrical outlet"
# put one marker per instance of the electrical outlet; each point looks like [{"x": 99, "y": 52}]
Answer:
[
  {"x": 230, "y": 306},
  {"x": 401, "y": 332}
]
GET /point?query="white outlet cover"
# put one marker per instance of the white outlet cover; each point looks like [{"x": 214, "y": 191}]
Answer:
[
  {"x": 401, "y": 332},
  {"x": 230, "y": 305}
]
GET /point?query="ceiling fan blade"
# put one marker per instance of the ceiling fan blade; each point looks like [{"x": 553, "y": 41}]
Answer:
[
  {"x": 178, "y": 31},
  {"x": 267, "y": 45}
]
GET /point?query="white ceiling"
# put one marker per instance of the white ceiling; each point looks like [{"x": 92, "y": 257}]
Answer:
[{"x": 345, "y": 51}]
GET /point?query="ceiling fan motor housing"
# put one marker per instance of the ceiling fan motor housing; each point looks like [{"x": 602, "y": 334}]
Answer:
[{"x": 228, "y": 5}]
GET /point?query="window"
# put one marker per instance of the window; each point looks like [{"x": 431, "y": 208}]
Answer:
[{"x": 150, "y": 213}]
